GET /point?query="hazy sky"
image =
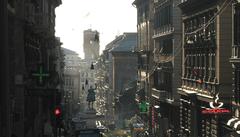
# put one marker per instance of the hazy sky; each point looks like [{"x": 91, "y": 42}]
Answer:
[{"x": 109, "y": 17}]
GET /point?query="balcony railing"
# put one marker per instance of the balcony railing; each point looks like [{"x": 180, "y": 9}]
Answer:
[
  {"x": 164, "y": 30},
  {"x": 162, "y": 57},
  {"x": 160, "y": 94},
  {"x": 236, "y": 52}
]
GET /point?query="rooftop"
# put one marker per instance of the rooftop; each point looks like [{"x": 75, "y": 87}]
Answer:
[
  {"x": 126, "y": 43},
  {"x": 68, "y": 51}
]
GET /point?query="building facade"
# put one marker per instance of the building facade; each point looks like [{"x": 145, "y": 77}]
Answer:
[
  {"x": 108, "y": 88},
  {"x": 167, "y": 73},
  {"x": 72, "y": 83},
  {"x": 232, "y": 124},
  {"x": 207, "y": 34},
  {"x": 124, "y": 78},
  {"x": 144, "y": 52},
  {"x": 4, "y": 94},
  {"x": 32, "y": 49}
]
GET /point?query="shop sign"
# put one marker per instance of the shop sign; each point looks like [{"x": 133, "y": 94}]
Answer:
[
  {"x": 216, "y": 107},
  {"x": 143, "y": 106},
  {"x": 153, "y": 118},
  {"x": 138, "y": 127},
  {"x": 40, "y": 74}
]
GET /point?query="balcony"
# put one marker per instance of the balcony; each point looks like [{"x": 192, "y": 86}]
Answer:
[
  {"x": 163, "y": 31},
  {"x": 192, "y": 4},
  {"x": 159, "y": 94},
  {"x": 235, "y": 54},
  {"x": 161, "y": 57}
]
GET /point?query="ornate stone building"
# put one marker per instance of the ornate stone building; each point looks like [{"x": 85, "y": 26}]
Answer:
[
  {"x": 232, "y": 124},
  {"x": 124, "y": 77},
  {"x": 72, "y": 83},
  {"x": 33, "y": 59},
  {"x": 207, "y": 36},
  {"x": 144, "y": 51},
  {"x": 167, "y": 56}
]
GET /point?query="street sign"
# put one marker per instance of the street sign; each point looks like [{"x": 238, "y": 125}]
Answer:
[{"x": 143, "y": 106}]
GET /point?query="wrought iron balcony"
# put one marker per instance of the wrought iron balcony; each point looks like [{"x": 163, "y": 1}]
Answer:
[
  {"x": 189, "y": 4},
  {"x": 235, "y": 53},
  {"x": 164, "y": 30},
  {"x": 162, "y": 57},
  {"x": 160, "y": 94}
]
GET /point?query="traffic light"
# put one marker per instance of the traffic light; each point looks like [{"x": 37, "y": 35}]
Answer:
[
  {"x": 57, "y": 112},
  {"x": 58, "y": 116}
]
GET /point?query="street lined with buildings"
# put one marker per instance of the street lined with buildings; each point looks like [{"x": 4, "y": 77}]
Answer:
[{"x": 177, "y": 76}]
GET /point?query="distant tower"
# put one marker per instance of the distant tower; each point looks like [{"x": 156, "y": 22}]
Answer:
[{"x": 91, "y": 44}]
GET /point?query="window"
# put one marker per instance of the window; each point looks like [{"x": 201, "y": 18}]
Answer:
[
  {"x": 236, "y": 38},
  {"x": 156, "y": 79},
  {"x": 166, "y": 46},
  {"x": 163, "y": 17},
  {"x": 143, "y": 12},
  {"x": 163, "y": 80},
  {"x": 237, "y": 25},
  {"x": 237, "y": 85}
]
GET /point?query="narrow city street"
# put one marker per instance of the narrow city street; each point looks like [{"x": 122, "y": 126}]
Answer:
[{"x": 120, "y": 68}]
